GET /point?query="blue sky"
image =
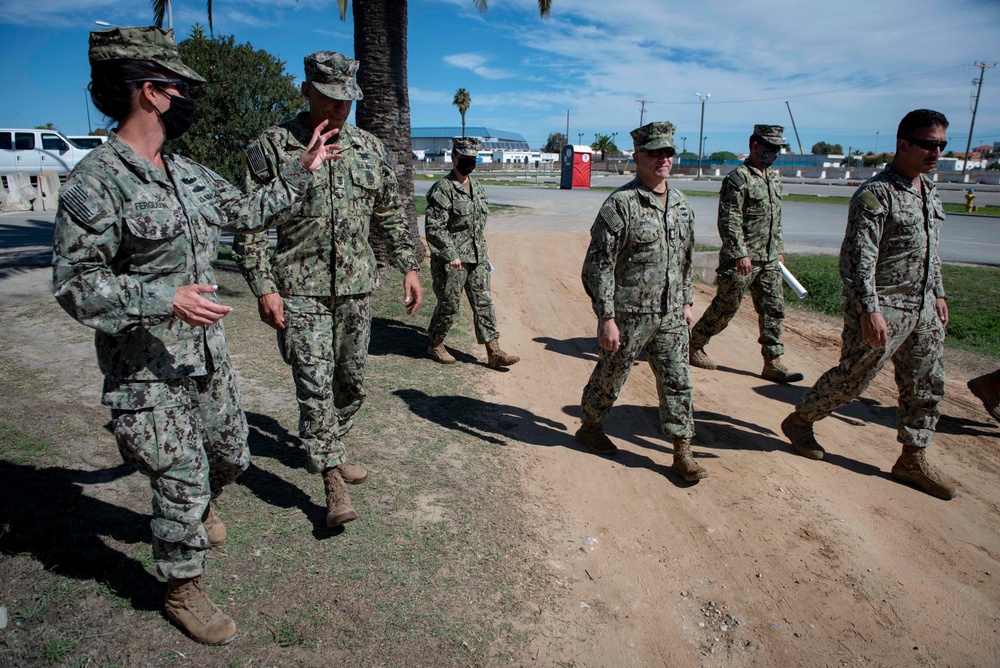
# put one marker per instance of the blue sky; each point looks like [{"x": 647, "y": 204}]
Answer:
[{"x": 849, "y": 69}]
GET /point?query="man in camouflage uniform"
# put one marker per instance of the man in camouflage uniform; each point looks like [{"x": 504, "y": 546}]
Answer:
[
  {"x": 637, "y": 274},
  {"x": 455, "y": 227},
  {"x": 894, "y": 304},
  {"x": 315, "y": 287},
  {"x": 136, "y": 232},
  {"x": 752, "y": 246}
]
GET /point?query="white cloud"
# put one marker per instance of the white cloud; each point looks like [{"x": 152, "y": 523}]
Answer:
[{"x": 477, "y": 64}]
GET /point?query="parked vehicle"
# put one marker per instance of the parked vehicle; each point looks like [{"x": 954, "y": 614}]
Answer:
[
  {"x": 87, "y": 142},
  {"x": 35, "y": 151}
]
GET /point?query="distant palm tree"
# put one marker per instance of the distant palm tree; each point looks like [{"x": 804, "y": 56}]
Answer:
[
  {"x": 604, "y": 144},
  {"x": 462, "y": 101}
]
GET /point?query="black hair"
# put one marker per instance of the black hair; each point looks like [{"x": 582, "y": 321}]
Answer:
[
  {"x": 111, "y": 93},
  {"x": 918, "y": 119}
]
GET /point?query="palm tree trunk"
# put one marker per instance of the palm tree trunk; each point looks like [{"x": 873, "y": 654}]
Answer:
[
  {"x": 380, "y": 45},
  {"x": 463, "y": 123}
]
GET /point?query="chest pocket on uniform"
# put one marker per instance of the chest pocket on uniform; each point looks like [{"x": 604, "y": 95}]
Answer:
[
  {"x": 156, "y": 243},
  {"x": 646, "y": 238},
  {"x": 366, "y": 176},
  {"x": 463, "y": 209}
]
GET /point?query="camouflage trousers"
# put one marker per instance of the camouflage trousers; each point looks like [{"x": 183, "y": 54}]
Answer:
[
  {"x": 664, "y": 340},
  {"x": 915, "y": 346},
  {"x": 764, "y": 284},
  {"x": 189, "y": 437},
  {"x": 325, "y": 341},
  {"x": 449, "y": 283}
]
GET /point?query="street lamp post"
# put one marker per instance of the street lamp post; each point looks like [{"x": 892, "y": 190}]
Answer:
[
  {"x": 684, "y": 147},
  {"x": 701, "y": 129},
  {"x": 579, "y": 137},
  {"x": 876, "y": 142}
]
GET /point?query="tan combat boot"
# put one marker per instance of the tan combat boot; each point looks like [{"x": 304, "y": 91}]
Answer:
[
  {"x": 352, "y": 474},
  {"x": 987, "y": 390},
  {"x": 437, "y": 352},
  {"x": 338, "y": 502},
  {"x": 684, "y": 463},
  {"x": 592, "y": 435},
  {"x": 214, "y": 527},
  {"x": 777, "y": 372},
  {"x": 190, "y": 609},
  {"x": 800, "y": 433},
  {"x": 912, "y": 468},
  {"x": 700, "y": 359},
  {"x": 497, "y": 358}
]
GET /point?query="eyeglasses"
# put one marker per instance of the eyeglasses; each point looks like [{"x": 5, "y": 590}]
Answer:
[
  {"x": 660, "y": 152},
  {"x": 928, "y": 145},
  {"x": 183, "y": 87}
]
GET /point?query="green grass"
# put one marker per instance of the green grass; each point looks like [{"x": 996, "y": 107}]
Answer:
[
  {"x": 20, "y": 447},
  {"x": 973, "y": 298}
]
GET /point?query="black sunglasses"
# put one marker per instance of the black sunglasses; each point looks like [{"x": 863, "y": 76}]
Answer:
[
  {"x": 660, "y": 152},
  {"x": 183, "y": 87},
  {"x": 928, "y": 145}
]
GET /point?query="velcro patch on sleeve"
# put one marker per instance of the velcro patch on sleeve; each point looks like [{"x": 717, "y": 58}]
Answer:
[
  {"x": 609, "y": 214},
  {"x": 870, "y": 201},
  {"x": 256, "y": 161},
  {"x": 83, "y": 206}
]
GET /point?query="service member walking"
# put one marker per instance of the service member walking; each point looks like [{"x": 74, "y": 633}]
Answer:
[
  {"x": 752, "y": 247},
  {"x": 455, "y": 226},
  {"x": 136, "y": 233},
  {"x": 315, "y": 287},
  {"x": 638, "y": 275},
  {"x": 894, "y": 304}
]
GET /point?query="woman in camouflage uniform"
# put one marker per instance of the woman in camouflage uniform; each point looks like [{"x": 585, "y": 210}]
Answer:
[{"x": 136, "y": 233}]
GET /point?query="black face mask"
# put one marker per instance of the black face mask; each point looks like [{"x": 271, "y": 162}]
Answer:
[
  {"x": 465, "y": 166},
  {"x": 178, "y": 117}
]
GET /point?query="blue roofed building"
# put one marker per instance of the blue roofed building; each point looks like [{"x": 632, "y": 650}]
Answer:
[{"x": 437, "y": 141}]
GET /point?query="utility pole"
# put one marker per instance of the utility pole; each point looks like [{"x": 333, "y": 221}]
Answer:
[
  {"x": 567, "y": 126},
  {"x": 797, "y": 140},
  {"x": 975, "y": 107},
  {"x": 642, "y": 110},
  {"x": 701, "y": 130},
  {"x": 86, "y": 103}
]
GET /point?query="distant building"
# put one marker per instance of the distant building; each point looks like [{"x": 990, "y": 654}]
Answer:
[{"x": 435, "y": 142}]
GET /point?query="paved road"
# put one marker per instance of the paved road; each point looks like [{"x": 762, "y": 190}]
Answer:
[
  {"x": 26, "y": 238},
  {"x": 808, "y": 227}
]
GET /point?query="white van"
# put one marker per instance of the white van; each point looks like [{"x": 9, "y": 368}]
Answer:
[
  {"x": 88, "y": 142},
  {"x": 35, "y": 151}
]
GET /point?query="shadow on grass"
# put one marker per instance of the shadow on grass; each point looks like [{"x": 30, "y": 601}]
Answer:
[
  {"x": 45, "y": 514},
  {"x": 396, "y": 337},
  {"x": 268, "y": 439}
]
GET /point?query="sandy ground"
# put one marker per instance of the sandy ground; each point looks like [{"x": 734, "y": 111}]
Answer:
[{"x": 773, "y": 560}]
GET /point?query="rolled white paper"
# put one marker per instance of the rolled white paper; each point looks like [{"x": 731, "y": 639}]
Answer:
[{"x": 796, "y": 287}]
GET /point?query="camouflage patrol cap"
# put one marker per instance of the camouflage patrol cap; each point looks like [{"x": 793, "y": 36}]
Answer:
[
  {"x": 772, "y": 134},
  {"x": 651, "y": 136},
  {"x": 141, "y": 43},
  {"x": 332, "y": 74},
  {"x": 467, "y": 146}
]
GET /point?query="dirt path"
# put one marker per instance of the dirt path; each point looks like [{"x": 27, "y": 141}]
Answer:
[{"x": 774, "y": 560}]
